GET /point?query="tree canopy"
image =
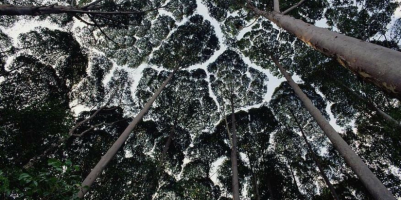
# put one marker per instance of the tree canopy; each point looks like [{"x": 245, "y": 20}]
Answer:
[{"x": 191, "y": 91}]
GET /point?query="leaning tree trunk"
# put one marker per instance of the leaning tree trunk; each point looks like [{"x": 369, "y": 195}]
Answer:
[
  {"x": 97, "y": 170},
  {"x": 373, "y": 63},
  {"x": 234, "y": 163},
  {"x": 371, "y": 182},
  {"x": 316, "y": 159}
]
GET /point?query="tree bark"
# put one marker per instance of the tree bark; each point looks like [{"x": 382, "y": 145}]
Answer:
[
  {"x": 234, "y": 163},
  {"x": 373, "y": 63},
  {"x": 370, "y": 104},
  {"x": 316, "y": 159},
  {"x": 371, "y": 182},
  {"x": 97, "y": 170},
  {"x": 255, "y": 186},
  {"x": 277, "y": 6},
  {"x": 47, "y": 10}
]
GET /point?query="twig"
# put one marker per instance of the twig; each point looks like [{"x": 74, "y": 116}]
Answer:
[
  {"x": 82, "y": 20},
  {"x": 252, "y": 22},
  {"x": 71, "y": 132}
]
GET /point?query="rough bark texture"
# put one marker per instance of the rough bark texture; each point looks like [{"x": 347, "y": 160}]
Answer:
[
  {"x": 316, "y": 159},
  {"x": 371, "y": 182},
  {"x": 234, "y": 163},
  {"x": 97, "y": 170},
  {"x": 373, "y": 63}
]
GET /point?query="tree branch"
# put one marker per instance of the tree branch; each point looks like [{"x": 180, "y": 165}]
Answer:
[
  {"x": 71, "y": 132},
  {"x": 91, "y": 4},
  {"x": 82, "y": 20},
  {"x": 97, "y": 125},
  {"x": 293, "y": 7},
  {"x": 107, "y": 37}
]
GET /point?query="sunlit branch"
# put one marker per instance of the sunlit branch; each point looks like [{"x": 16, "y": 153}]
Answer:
[{"x": 293, "y": 7}]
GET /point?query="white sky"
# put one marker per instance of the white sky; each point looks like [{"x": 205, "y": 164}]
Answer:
[{"x": 25, "y": 26}]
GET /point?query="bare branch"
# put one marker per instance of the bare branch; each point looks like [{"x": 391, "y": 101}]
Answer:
[
  {"x": 91, "y": 4},
  {"x": 107, "y": 37},
  {"x": 71, "y": 132},
  {"x": 293, "y": 7},
  {"x": 97, "y": 125},
  {"x": 82, "y": 20}
]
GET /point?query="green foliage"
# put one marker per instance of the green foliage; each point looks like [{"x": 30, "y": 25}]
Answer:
[
  {"x": 192, "y": 43},
  {"x": 59, "y": 181},
  {"x": 173, "y": 153}
]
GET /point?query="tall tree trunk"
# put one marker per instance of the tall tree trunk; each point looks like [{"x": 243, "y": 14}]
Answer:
[
  {"x": 370, "y": 104},
  {"x": 97, "y": 170},
  {"x": 371, "y": 182},
  {"x": 276, "y": 5},
  {"x": 168, "y": 143},
  {"x": 255, "y": 186},
  {"x": 270, "y": 188},
  {"x": 295, "y": 181},
  {"x": 53, "y": 9},
  {"x": 234, "y": 163},
  {"x": 316, "y": 159},
  {"x": 372, "y": 62}
]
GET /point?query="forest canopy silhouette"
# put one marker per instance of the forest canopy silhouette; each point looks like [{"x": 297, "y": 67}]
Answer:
[{"x": 200, "y": 99}]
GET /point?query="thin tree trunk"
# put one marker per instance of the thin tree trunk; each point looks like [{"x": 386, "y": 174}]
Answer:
[
  {"x": 293, "y": 7},
  {"x": 270, "y": 187},
  {"x": 373, "y": 63},
  {"x": 53, "y": 9},
  {"x": 315, "y": 158},
  {"x": 168, "y": 143},
  {"x": 277, "y": 6},
  {"x": 97, "y": 170},
  {"x": 295, "y": 181},
  {"x": 370, "y": 104},
  {"x": 371, "y": 182},
  {"x": 255, "y": 186},
  {"x": 234, "y": 163}
]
